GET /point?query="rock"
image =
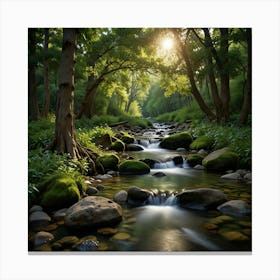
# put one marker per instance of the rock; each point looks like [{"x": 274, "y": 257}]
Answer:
[
  {"x": 103, "y": 176},
  {"x": 127, "y": 138},
  {"x": 202, "y": 152},
  {"x": 48, "y": 228},
  {"x": 59, "y": 191},
  {"x": 91, "y": 191},
  {"x": 121, "y": 196},
  {"x": 194, "y": 159},
  {"x": 234, "y": 236},
  {"x": 201, "y": 199},
  {"x": 181, "y": 150},
  {"x": 178, "y": 160},
  {"x": 118, "y": 146},
  {"x": 109, "y": 162},
  {"x": 202, "y": 142},
  {"x": 133, "y": 167},
  {"x": 107, "y": 231},
  {"x": 100, "y": 187},
  {"x": 221, "y": 160},
  {"x": 150, "y": 162},
  {"x": 93, "y": 211},
  {"x": 125, "y": 156},
  {"x": 60, "y": 214},
  {"x": 235, "y": 208},
  {"x": 121, "y": 236},
  {"x": 232, "y": 176},
  {"x": 42, "y": 237},
  {"x": 112, "y": 173},
  {"x": 35, "y": 208},
  {"x": 221, "y": 220},
  {"x": 159, "y": 174},
  {"x": 242, "y": 172},
  {"x": 105, "y": 141},
  {"x": 134, "y": 147},
  {"x": 137, "y": 196},
  {"x": 65, "y": 242},
  {"x": 248, "y": 176},
  {"x": 199, "y": 167},
  {"x": 210, "y": 226},
  {"x": 39, "y": 218},
  {"x": 175, "y": 141}
]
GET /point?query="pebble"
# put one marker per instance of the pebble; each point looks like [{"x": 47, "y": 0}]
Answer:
[
  {"x": 121, "y": 236},
  {"x": 234, "y": 236},
  {"x": 35, "y": 208},
  {"x": 42, "y": 237},
  {"x": 221, "y": 219},
  {"x": 107, "y": 231}
]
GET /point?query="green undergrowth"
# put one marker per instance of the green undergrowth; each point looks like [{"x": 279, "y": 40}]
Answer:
[{"x": 239, "y": 139}]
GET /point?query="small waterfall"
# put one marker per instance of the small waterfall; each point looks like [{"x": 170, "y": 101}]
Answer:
[
  {"x": 162, "y": 200},
  {"x": 164, "y": 165},
  {"x": 199, "y": 239}
]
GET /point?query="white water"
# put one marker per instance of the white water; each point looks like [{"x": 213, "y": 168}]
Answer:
[{"x": 161, "y": 200}]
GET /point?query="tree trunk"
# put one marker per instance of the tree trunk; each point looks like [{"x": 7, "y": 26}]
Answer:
[
  {"x": 225, "y": 89},
  {"x": 46, "y": 108},
  {"x": 32, "y": 86},
  {"x": 194, "y": 90},
  {"x": 246, "y": 107}
]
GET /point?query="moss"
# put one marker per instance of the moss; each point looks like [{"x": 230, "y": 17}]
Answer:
[
  {"x": 127, "y": 138},
  {"x": 221, "y": 160},
  {"x": 131, "y": 167},
  {"x": 118, "y": 145},
  {"x": 109, "y": 162},
  {"x": 202, "y": 142},
  {"x": 195, "y": 159},
  {"x": 58, "y": 192},
  {"x": 178, "y": 140}
]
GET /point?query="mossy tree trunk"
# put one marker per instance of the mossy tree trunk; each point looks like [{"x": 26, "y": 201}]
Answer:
[{"x": 65, "y": 139}]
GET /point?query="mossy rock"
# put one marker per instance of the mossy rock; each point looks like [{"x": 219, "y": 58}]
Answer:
[
  {"x": 59, "y": 191},
  {"x": 109, "y": 162},
  {"x": 202, "y": 142},
  {"x": 175, "y": 141},
  {"x": 118, "y": 146},
  {"x": 195, "y": 159},
  {"x": 133, "y": 167},
  {"x": 221, "y": 160},
  {"x": 127, "y": 138}
]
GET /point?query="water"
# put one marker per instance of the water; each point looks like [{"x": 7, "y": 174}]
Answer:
[{"x": 161, "y": 225}]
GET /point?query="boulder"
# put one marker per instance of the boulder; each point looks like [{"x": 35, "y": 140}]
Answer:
[
  {"x": 118, "y": 145},
  {"x": 60, "y": 214},
  {"x": 178, "y": 160},
  {"x": 221, "y": 160},
  {"x": 150, "y": 162},
  {"x": 137, "y": 196},
  {"x": 120, "y": 197},
  {"x": 159, "y": 174},
  {"x": 91, "y": 191},
  {"x": 39, "y": 218},
  {"x": 105, "y": 141},
  {"x": 127, "y": 138},
  {"x": 109, "y": 162},
  {"x": 35, "y": 208},
  {"x": 42, "y": 237},
  {"x": 93, "y": 211},
  {"x": 181, "y": 150},
  {"x": 175, "y": 141},
  {"x": 134, "y": 147},
  {"x": 235, "y": 208},
  {"x": 199, "y": 167},
  {"x": 103, "y": 176},
  {"x": 248, "y": 176},
  {"x": 133, "y": 167},
  {"x": 194, "y": 159},
  {"x": 58, "y": 192},
  {"x": 201, "y": 199},
  {"x": 232, "y": 176},
  {"x": 202, "y": 142}
]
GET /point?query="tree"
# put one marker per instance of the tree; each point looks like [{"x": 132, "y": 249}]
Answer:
[
  {"x": 65, "y": 139},
  {"x": 32, "y": 84},
  {"x": 46, "y": 108}
]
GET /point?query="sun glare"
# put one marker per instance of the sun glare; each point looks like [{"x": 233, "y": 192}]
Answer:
[{"x": 167, "y": 44}]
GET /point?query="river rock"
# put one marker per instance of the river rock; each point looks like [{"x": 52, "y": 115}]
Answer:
[
  {"x": 91, "y": 191},
  {"x": 248, "y": 176},
  {"x": 202, "y": 142},
  {"x": 93, "y": 211},
  {"x": 35, "y": 208},
  {"x": 103, "y": 176},
  {"x": 109, "y": 162},
  {"x": 60, "y": 214},
  {"x": 65, "y": 242},
  {"x": 194, "y": 159},
  {"x": 235, "y": 208},
  {"x": 39, "y": 218},
  {"x": 133, "y": 167},
  {"x": 175, "y": 141},
  {"x": 232, "y": 176},
  {"x": 100, "y": 187},
  {"x": 134, "y": 147},
  {"x": 137, "y": 196},
  {"x": 199, "y": 167},
  {"x": 221, "y": 160},
  {"x": 150, "y": 162},
  {"x": 178, "y": 160},
  {"x": 120, "y": 197},
  {"x": 201, "y": 199},
  {"x": 181, "y": 150},
  {"x": 42, "y": 237},
  {"x": 159, "y": 174},
  {"x": 202, "y": 152},
  {"x": 234, "y": 236}
]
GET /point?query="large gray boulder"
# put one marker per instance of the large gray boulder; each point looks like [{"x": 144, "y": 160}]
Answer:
[
  {"x": 235, "y": 208},
  {"x": 137, "y": 196},
  {"x": 93, "y": 211},
  {"x": 200, "y": 199}
]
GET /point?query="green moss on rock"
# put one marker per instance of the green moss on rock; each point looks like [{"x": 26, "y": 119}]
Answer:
[
  {"x": 127, "y": 138},
  {"x": 118, "y": 145},
  {"x": 175, "y": 141},
  {"x": 202, "y": 142},
  {"x": 58, "y": 192},
  {"x": 109, "y": 162},
  {"x": 221, "y": 160},
  {"x": 195, "y": 159},
  {"x": 133, "y": 167}
]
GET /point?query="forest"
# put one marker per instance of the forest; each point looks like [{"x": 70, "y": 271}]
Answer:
[{"x": 139, "y": 139}]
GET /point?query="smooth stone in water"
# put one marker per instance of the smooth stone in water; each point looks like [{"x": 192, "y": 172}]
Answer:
[
  {"x": 134, "y": 147},
  {"x": 60, "y": 214},
  {"x": 221, "y": 219},
  {"x": 103, "y": 176},
  {"x": 181, "y": 150},
  {"x": 120, "y": 196},
  {"x": 232, "y": 176},
  {"x": 91, "y": 191},
  {"x": 159, "y": 174},
  {"x": 39, "y": 218},
  {"x": 248, "y": 176},
  {"x": 121, "y": 236},
  {"x": 235, "y": 207},
  {"x": 234, "y": 236},
  {"x": 35, "y": 208},
  {"x": 199, "y": 167},
  {"x": 137, "y": 196},
  {"x": 210, "y": 226},
  {"x": 42, "y": 237}
]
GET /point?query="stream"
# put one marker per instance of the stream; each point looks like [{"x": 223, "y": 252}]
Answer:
[{"x": 163, "y": 226}]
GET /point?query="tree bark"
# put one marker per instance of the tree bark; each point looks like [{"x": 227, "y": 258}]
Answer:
[
  {"x": 194, "y": 90},
  {"x": 246, "y": 107},
  {"x": 32, "y": 84},
  {"x": 46, "y": 108}
]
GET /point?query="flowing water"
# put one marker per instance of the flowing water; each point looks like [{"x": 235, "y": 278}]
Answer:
[{"x": 161, "y": 225}]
